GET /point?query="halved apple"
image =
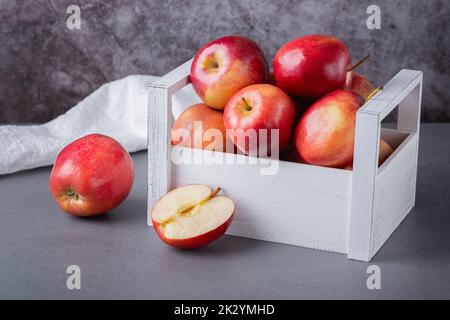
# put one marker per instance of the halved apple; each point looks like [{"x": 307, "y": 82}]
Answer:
[{"x": 192, "y": 216}]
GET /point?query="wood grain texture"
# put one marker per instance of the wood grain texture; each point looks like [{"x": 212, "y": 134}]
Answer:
[
  {"x": 401, "y": 89},
  {"x": 300, "y": 205},
  {"x": 395, "y": 192},
  {"x": 365, "y": 163},
  {"x": 409, "y": 113},
  {"x": 159, "y": 124}
]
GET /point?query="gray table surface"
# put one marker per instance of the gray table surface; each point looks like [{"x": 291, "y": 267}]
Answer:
[{"x": 120, "y": 257}]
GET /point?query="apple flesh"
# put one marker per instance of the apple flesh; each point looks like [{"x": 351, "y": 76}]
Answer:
[
  {"x": 210, "y": 126},
  {"x": 312, "y": 66},
  {"x": 255, "y": 108},
  {"x": 224, "y": 66},
  {"x": 91, "y": 175},
  {"x": 325, "y": 133},
  {"x": 192, "y": 216}
]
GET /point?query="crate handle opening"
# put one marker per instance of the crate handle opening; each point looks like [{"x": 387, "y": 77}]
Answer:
[{"x": 405, "y": 91}]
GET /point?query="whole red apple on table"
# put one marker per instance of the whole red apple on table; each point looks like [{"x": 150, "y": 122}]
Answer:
[
  {"x": 312, "y": 66},
  {"x": 194, "y": 116},
  {"x": 192, "y": 216},
  {"x": 91, "y": 175},
  {"x": 325, "y": 133},
  {"x": 260, "y": 106},
  {"x": 224, "y": 66}
]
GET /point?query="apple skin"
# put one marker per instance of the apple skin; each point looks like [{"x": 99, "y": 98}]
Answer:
[
  {"x": 325, "y": 133},
  {"x": 224, "y": 66},
  {"x": 271, "y": 108},
  {"x": 361, "y": 85},
  {"x": 194, "y": 242},
  {"x": 91, "y": 175},
  {"x": 312, "y": 66},
  {"x": 210, "y": 118},
  {"x": 385, "y": 152}
]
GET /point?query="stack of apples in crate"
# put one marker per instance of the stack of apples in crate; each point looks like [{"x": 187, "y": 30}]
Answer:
[{"x": 306, "y": 106}]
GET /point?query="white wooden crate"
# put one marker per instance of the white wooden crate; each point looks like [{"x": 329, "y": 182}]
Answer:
[{"x": 351, "y": 212}]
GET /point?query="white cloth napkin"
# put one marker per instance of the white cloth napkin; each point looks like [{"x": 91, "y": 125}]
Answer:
[{"x": 117, "y": 109}]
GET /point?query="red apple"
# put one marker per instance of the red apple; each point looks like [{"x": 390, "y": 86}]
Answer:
[
  {"x": 226, "y": 65},
  {"x": 209, "y": 125},
  {"x": 91, "y": 175},
  {"x": 260, "y": 106},
  {"x": 352, "y": 75},
  {"x": 361, "y": 85},
  {"x": 192, "y": 216},
  {"x": 312, "y": 66},
  {"x": 325, "y": 133}
]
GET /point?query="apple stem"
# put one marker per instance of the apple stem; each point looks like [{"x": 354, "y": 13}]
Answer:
[
  {"x": 374, "y": 92},
  {"x": 215, "y": 192},
  {"x": 360, "y": 62},
  {"x": 247, "y": 106}
]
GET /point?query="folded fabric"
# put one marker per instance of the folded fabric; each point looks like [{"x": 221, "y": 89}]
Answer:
[{"x": 117, "y": 109}]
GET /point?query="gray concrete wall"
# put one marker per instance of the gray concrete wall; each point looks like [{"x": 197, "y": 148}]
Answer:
[{"x": 45, "y": 68}]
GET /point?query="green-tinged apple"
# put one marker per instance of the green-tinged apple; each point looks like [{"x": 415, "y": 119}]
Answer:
[
  {"x": 226, "y": 65},
  {"x": 192, "y": 216},
  {"x": 256, "y": 107},
  {"x": 209, "y": 125},
  {"x": 312, "y": 66},
  {"x": 325, "y": 133},
  {"x": 91, "y": 175},
  {"x": 385, "y": 152}
]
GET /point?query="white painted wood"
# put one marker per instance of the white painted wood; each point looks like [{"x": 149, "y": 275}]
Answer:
[
  {"x": 351, "y": 212},
  {"x": 402, "y": 89},
  {"x": 176, "y": 79},
  {"x": 300, "y": 205},
  {"x": 365, "y": 163},
  {"x": 159, "y": 124},
  {"x": 395, "y": 192},
  {"x": 409, "y": 120},
  {"x": 393, "y": 93}
]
